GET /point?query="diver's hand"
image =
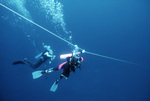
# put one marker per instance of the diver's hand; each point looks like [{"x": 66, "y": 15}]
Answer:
[
  {"x": 50, "y": 70},
  {"x": 83, "y": 51}
]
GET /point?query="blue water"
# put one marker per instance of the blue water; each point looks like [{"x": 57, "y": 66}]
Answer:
[{"x": 119, "y": 29}]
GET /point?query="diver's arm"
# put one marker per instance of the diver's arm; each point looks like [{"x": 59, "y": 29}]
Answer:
[
  {"x": 83, "y": 51},
  {"x": 48, "y": 55}
]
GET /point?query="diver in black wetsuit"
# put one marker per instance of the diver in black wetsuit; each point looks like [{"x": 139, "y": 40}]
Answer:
[
  {"x": 46, "y": 55},
  {"x": 70, "y": 65}
]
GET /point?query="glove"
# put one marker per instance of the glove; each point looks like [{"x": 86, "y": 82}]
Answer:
[{"x": 83, "y": 51}]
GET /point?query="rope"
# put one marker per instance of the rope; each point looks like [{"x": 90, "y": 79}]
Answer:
[
  {"x": 36, "y": 24},
  {"x": 64, "y": 39},
  {"x": 107, "y": 57}
]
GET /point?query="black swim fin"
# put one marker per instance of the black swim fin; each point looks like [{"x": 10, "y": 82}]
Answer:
[{"x": 18, "y": 62}]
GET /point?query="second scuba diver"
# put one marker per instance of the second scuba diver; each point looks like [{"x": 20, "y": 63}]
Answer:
[{"x": 43, "y": 57}]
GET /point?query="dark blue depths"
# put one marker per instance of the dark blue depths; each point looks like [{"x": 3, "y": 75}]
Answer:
[{"x": 120, "y": 29}]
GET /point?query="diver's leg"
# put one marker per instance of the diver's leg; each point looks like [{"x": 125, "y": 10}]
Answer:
[
  {"x": 33, "y": 66},
  {"x": 50, "y": 70},
  {"x": 37, "y": 63},
  {"x": 58, "y": 79},
  {"x": 55, "y": 85},
  {"x": 24, "y": 61},
  {"x": 61, "y": 66}
]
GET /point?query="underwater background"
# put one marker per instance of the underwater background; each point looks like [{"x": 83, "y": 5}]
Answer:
[{"x": 115, "y": 28}]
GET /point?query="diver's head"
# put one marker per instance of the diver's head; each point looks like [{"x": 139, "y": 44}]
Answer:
[
  {"x": 51, "y": 51},
  {"x": 79, "y": 60}
]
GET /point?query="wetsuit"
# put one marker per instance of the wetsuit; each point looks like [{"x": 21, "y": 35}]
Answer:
[
  {"x": 35, "y": 65},
  {"x": 67, "y": 67}
]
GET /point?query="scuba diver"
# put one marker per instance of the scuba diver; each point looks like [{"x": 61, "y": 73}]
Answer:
[
  {"x": 73, "y": 61},
  {"x": 43, "y": 57}
]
